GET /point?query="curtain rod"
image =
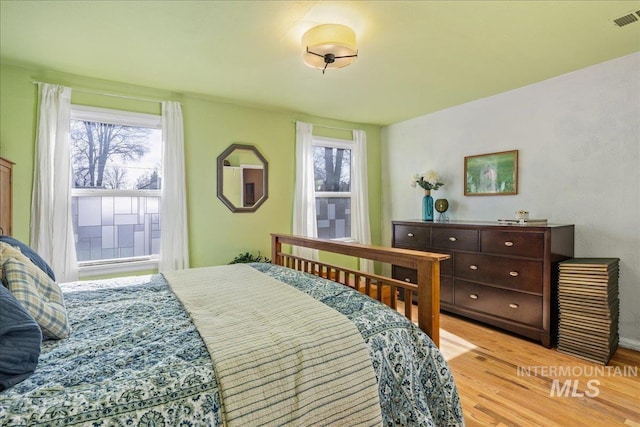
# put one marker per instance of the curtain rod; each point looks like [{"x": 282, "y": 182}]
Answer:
[
  {"x": 115, "y": 95},
  {"x": 326, "y": 127}
]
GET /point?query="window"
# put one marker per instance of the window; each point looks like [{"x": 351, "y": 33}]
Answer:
[
  {"x": 332, "y": 177},
  {"x": 116, "y": 160}
]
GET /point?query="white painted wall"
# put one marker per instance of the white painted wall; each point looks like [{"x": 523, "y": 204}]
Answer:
[{"x": 578, "y": 137}]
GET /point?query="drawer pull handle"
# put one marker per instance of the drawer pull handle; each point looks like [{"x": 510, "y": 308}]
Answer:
[
  {"x": 473, "y": 296},
  {"x": 407, "y": 280},
  {"x": 473, "y": 267},
  {"x": 512, "y": 305},
  {"x": 452, "y": 239},
  {"x": 513, "y": 273},
  {"x": 508, "y": 244},
  {"x": 409, "y": 234}
]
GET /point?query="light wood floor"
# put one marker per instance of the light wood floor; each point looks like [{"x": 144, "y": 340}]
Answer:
[{"x": 485, "y": 365}]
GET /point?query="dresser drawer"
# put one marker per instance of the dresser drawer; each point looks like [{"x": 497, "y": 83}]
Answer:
[
  {"x": 410, "y": 275},
  {"x": 411, "y": 237},
  {"x": 512, "y": 243},
  {"x": 455, "y": 239},
  {"x": 405, "y": 274},
  {"x": 512, "y": 273},
  {"x": 516, "y": 306}
]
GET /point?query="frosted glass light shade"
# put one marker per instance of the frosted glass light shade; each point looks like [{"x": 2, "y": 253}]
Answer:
[{"x": 335, "y": 39}]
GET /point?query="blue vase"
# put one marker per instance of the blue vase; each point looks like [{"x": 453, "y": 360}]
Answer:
[{"x": 427, "y": 206}]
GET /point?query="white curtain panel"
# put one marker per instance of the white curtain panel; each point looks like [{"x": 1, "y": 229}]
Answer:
[
  {"x": 304, "y": 204},
  {"x": 174, "y": 243},
  {"x": 51, "y": 226},
  {"x": 361, "y": 229}
]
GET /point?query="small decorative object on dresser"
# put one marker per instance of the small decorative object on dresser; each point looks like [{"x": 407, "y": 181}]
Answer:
[
  {"x": 441, "y": 206},
  {"x": 427, "y": 181},
  {"x": 427, "y": 206},
  {"x": 522, "y": 221},
  {"x": 503, "y": 275}
]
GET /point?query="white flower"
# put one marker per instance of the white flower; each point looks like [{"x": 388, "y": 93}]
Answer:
[
  {"x": 428, "y": 180},
  {"x": 431, "y": 177}
]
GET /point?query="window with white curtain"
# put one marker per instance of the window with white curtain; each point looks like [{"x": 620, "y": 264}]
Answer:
[
  {"x": 332, "y": 169},
  {"x": 116, "y": 161}
]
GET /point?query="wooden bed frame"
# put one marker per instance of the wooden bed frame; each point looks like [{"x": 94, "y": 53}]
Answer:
[{"x": 426, "y": 264}]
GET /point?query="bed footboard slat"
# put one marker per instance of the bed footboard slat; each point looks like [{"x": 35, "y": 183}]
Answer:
[{"x": 408, "y": 296}]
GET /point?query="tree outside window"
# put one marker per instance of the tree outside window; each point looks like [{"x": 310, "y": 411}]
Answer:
[
  {"x": 332, "y": 174},
  {"x": 106, "y": 155},
  {"x": 117, "y": 176}
]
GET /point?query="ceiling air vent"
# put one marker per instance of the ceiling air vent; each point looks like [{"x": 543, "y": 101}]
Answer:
[{"x": 627, "y": 19}]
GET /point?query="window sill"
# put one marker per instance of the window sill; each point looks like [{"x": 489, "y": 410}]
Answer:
[{"x": 117, "y": 268}]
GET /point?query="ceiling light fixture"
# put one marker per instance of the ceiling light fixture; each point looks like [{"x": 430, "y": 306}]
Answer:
[{"x": 329, "y": 46}]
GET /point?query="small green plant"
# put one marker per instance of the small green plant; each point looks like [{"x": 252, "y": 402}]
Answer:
[{"x": 248, "y": 257}]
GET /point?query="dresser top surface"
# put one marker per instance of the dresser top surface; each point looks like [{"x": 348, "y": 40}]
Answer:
[{"x": 472, "y": 223}]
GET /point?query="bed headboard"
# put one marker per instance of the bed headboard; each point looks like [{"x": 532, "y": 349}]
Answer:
[{"x": 426, "y": 264}]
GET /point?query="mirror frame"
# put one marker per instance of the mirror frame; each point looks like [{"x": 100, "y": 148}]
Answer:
[{"x": 222, "y": 197}]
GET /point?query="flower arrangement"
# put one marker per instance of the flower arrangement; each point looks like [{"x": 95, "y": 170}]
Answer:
[{"x": 428, "y": 180}]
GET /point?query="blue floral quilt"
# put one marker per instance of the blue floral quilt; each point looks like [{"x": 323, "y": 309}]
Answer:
[{"x": 135, "y": 359}]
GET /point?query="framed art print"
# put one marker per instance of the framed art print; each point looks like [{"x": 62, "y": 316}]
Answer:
[{"x": 491, "y": 174}]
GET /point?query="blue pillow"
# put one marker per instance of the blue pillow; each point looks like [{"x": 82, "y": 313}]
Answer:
[
  {"x": 31, "y": 254},
  {"x": 20, "y": 339}
]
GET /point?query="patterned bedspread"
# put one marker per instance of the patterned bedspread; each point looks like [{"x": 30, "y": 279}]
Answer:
[{"x": 135, "y": 358}]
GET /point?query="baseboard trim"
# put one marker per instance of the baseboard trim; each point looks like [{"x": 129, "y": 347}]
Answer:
[{"x": 629, "y": 343}]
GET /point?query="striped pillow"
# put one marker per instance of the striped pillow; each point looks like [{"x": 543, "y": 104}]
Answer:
[{"x": 40, "y": 295}]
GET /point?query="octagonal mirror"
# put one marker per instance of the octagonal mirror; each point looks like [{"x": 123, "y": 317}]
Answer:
[{"x": 242, "y": 178}]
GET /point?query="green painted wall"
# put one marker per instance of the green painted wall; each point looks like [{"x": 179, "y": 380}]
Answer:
[{"x": 216, "y": 234}]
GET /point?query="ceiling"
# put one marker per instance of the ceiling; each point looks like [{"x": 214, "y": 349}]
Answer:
[{"x": 415, "y": 57}]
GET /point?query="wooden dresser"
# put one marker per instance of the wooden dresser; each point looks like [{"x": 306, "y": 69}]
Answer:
[
  {"x": 503, "y": 275},
  {"x": 6, "y": 196}
]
